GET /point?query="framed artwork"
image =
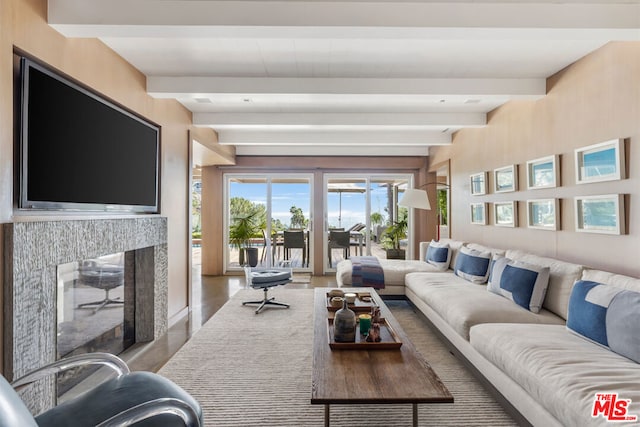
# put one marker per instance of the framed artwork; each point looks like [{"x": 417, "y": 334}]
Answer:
[
  {"x": 479, "y": 213},
  {"x": 543, "y": 214},
  {"x": 478, "y": 183},
  {"x": 505, "y": 214},
  {"x": 600, "y": 162},
  {"x": 600, "y": 214},
  {"x": 505, "y": 179},
  {"x": 543, "y": 172}
]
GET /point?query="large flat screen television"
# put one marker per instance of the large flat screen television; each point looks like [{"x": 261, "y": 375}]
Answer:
[{"x": 79, "y": 151}]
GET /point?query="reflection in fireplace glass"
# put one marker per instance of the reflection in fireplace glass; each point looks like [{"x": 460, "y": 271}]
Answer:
[{"x": 94, "y": 309}]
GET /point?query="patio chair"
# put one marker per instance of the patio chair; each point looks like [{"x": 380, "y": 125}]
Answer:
[
  {"x": 295, "y": 240},
  {"x": 339, "y": 240}
]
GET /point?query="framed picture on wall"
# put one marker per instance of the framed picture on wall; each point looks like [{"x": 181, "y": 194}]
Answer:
[
  {"x": 505, "y": 179},
  {"x": 505, "y": 214},
  {"x": 600, "y": 214},
  {"x": 479, "y": 213},
  {"x": 543, "y": 172},
  {"x": 478, "y": 183},
  {"x": 600, "y": 162},
  {"x": 543, "y": 214}
]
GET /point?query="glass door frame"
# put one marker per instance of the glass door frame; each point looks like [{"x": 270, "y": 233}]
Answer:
[
  {"x": 268, "y": 177},
  {"x": 367, "y": 178}
]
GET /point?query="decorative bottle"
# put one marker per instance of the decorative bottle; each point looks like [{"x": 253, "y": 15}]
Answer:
[{"x": 344, "y": 324}]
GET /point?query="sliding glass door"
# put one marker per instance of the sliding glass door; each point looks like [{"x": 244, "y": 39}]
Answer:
[
  {"x": 358, "y": 213},
  {"x": 268, "y": 221}
]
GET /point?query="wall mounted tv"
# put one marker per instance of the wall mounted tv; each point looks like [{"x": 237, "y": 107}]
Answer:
[{"x": 79, "y": 151}]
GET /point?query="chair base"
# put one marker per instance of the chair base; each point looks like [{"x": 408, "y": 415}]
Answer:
[
  {"x": 266, "y": 301},
  {"x": 100, "y": 304}
]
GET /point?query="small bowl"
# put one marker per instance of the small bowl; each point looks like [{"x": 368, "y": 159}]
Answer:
[
  {"x": 336, "y": 293},
  {"x": 337, "y": 301},
  {"x": 351, "y": 298}
]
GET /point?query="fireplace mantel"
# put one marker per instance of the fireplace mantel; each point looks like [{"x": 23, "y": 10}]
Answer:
[{"x": 33, "y": 250}]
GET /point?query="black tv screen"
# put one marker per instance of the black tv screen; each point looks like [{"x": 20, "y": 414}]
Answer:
[{"x": 81, "y": 152}]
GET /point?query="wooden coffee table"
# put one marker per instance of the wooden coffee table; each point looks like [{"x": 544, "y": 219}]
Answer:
[{"x": 370, "y": 376}]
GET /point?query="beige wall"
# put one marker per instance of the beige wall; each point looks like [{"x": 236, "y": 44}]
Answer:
[
  {"x": 212, "y": 184},
  {"x": 23, "y": 25},
  {"x": 593, "y": 100}
]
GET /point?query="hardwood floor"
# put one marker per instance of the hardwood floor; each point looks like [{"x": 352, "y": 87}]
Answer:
[{"x": 211, "y": 292}]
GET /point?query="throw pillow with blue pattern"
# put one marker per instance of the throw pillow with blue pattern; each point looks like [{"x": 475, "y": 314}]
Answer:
[
  {"x": 606, "y": 315},
  {"x": 472, "y": 265},
  {"x": 523, "y": 283},
  {"x": 439, "y": 255}
]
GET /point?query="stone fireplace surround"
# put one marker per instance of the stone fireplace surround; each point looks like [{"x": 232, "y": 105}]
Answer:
[{"x": 32, "y": 252}]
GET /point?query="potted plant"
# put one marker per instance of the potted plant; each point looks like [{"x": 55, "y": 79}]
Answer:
[
  {"x": 243, "y": 228},
  {"x": 392, "y": 237}
]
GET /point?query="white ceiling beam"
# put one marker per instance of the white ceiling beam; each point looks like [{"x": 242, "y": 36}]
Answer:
[
  {"x": 333, "y": 138},
  {"x": 144, "y": 18},
  {"x": 338, "y": 120},
  {"x": 180, "y": 87},
  {"x": 288, "y": 150}
]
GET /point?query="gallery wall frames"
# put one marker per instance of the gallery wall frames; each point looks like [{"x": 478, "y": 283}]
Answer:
[
  {"x": 543, "y": 172},
  {"x": 505, "y": 214},
  {"x": 600, "y": 214},
  {"x": 478, "y": 183},
  {"x": 543, "y": 214},
  {"x": 478, "y": 213},
  {"x": 600, "y": 162},
  {"x": 505, "y": 179}
]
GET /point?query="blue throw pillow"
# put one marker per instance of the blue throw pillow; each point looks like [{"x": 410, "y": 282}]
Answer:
[
  {"x": 439, "y": 254},
  {"x": 606, "y": 315},
  {"x": 472, "y": 265},
  {"x": 523, "y": 283}
]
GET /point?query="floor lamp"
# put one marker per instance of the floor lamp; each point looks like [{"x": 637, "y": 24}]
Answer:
[{"x": 418, "y": 199}]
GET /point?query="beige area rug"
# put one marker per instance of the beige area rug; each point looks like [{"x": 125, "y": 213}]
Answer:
[{"x": 255, "y": 370}]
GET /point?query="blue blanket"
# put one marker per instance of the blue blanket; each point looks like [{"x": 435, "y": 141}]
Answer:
[{"x": 366, "y": 271}]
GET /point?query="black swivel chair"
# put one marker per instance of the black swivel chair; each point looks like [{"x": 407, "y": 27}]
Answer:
[
  {"x": 101, "y": 276},
  {"x": 339, "y": 240},
  {"x": 295, "y": 240},
  {"x": 129, "y": 398}
]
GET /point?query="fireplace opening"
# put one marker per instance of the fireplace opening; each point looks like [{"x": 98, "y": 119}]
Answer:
[{"x": 95, "y": 311}]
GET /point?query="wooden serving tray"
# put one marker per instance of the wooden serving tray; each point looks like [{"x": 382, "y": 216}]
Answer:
[
  {"x": 390, "y": 340},
  {"x": 360, "y": 305}
]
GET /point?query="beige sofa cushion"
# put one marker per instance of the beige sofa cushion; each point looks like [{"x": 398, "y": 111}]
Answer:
[
  {"x": 617, "y": 280},
  {"x": 559, "y": 369},
  {"x": 463, "y": 304},
  {"x": 482, "y": 248},
  {"x": 562, "y": 276}
]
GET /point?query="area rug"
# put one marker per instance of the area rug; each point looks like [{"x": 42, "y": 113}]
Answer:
[{"x": 255, "y": 370}]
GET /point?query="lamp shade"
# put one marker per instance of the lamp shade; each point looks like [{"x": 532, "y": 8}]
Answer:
[{"x": 414, "y": 198}]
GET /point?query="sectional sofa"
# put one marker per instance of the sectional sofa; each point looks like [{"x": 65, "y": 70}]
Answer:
[{"x": 549, "y": 365}]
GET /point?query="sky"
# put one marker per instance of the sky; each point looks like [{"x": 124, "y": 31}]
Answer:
[{"x": 285, "y": 195}]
